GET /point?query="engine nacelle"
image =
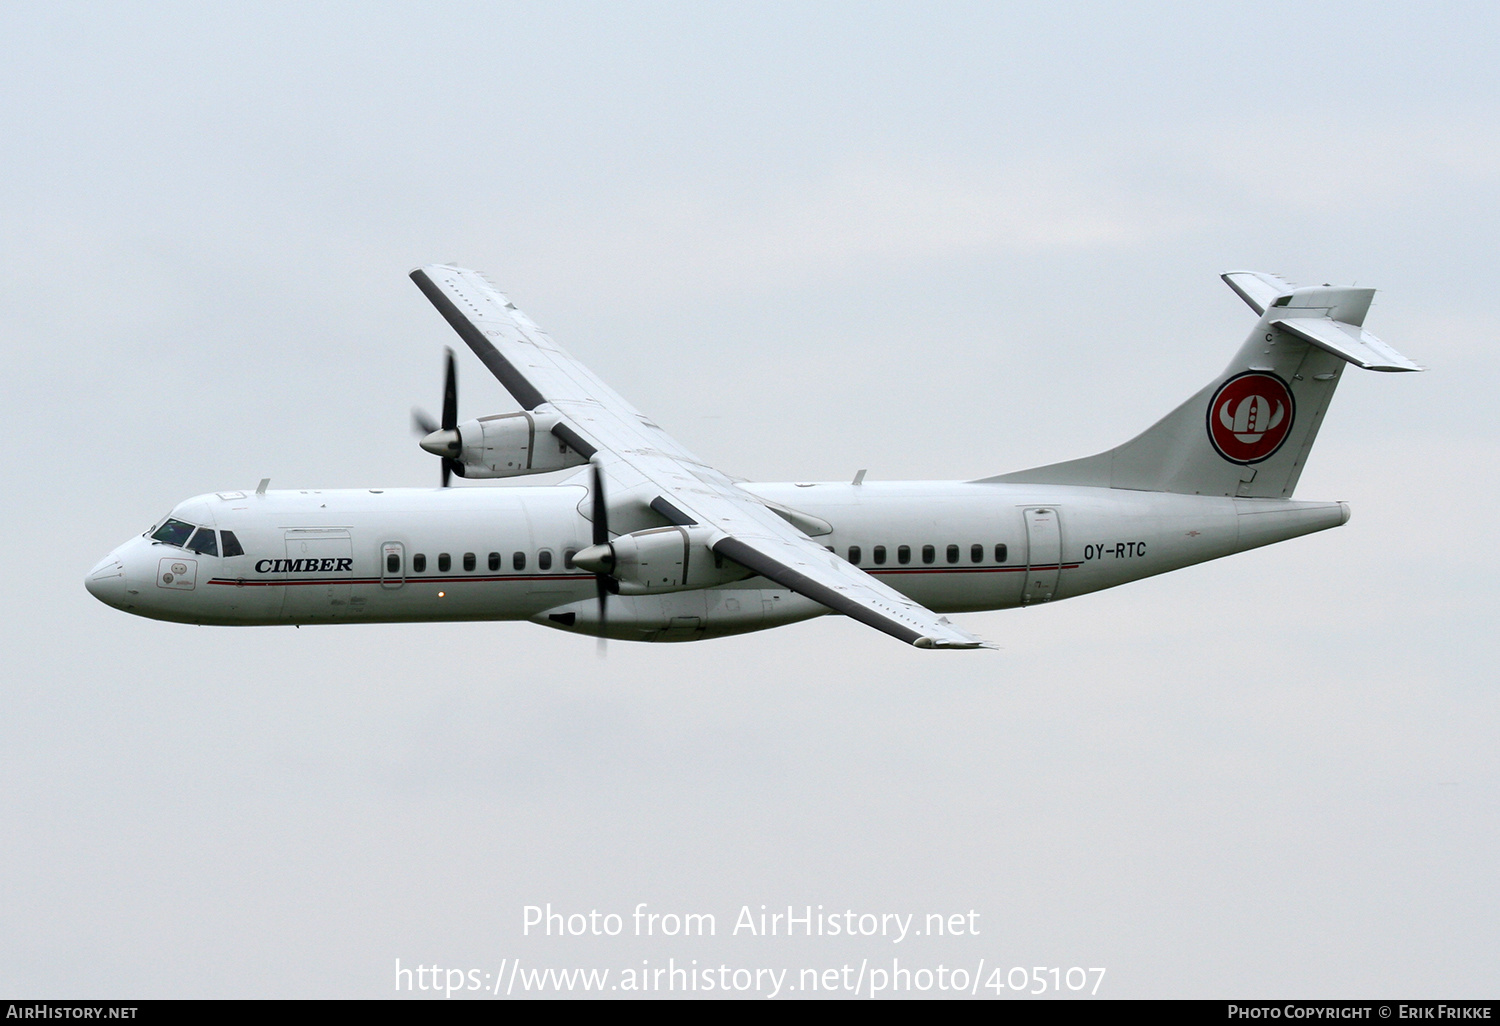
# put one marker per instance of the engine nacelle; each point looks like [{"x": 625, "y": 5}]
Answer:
[
  {"x": 662, "y": 559},
  {"x": 684, "y": 615},
  {"x": 513, "y": 444}
]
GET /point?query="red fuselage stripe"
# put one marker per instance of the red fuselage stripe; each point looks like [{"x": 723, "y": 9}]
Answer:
[{"x": 489, "y": 579}]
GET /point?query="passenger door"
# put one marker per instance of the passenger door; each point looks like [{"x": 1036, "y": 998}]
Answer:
[{"x": 1043, "y": 554}]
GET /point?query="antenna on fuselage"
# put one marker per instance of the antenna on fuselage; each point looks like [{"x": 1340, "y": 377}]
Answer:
[{"x": 260, "y": 489}]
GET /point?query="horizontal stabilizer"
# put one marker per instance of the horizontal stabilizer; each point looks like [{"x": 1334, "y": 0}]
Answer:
[
  {"x": 1257, "y": 288},
  {"x": 1347, "y": 341}
]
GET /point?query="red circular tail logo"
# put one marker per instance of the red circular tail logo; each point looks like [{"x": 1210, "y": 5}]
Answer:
[{"x": 1250, "y": 416}]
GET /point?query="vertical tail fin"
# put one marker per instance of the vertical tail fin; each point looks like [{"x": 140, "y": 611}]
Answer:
[{"x": 1247, "y": 432}]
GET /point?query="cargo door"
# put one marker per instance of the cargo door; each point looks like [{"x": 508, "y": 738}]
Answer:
[{"x": 318, "y": 575}]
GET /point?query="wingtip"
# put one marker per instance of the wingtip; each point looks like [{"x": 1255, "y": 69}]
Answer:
[
  {"x": 926, "y": 643},
  {"x": 439, "y": 268}
]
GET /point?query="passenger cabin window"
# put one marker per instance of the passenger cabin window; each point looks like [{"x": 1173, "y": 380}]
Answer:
[
  {"x": 494, "y": 561},
  {"x": 544, "y": 559},
  {"x": 173, "y": 532},
  {"x": 468, "y": 561},
  {"x": 854, "y": 554},
  {"x": 392, "y": 563},
  {"x": 976, "y": 553},
  {"x": 903, "y": 554},
  {"x": 1000, "y": 553},
  {"x": 568, "y": 555},
  {"x": 445, "y": 562},
  {"x": 879, "y": 553},
  {"x": 518, "y": 561},
  {"x": 953, "y": 553},
  {"x": 418, "y": 563},
  {"x": 204, "y": 543},
  {"x": 231, "y": 544},
  {"x": 929, "y": 554}
]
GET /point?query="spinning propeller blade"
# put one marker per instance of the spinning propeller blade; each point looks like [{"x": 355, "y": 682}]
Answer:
[
  {"x": 443, "y": 439},
  {"x": 450, "y": 410},
  {"x": 421, "y": 424},
  {"x": 604, "y": 583}
]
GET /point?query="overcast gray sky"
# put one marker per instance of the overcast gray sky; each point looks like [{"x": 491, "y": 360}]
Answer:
[{"x": 936, "y": 241}]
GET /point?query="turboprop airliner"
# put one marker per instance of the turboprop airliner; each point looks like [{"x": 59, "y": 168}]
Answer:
[{"x": 646, "y": 542}]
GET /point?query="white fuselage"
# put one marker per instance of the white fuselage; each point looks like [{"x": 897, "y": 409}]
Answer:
[{"x": 504, "y": 553}]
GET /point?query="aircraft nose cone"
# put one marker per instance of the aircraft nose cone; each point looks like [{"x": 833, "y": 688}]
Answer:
[{"x": 106, "y": 582}]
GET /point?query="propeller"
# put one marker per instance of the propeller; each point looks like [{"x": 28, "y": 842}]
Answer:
[
  {"x": 443, "y": 439},
  {"x": 603, "y": 582}
]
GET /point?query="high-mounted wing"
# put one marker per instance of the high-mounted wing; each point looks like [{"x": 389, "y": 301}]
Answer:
[{"x": 644, "y": 461}]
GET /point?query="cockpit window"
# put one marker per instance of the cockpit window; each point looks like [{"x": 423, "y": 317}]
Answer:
[
  {"x": 232, "y": 546},
  {"x": 173, "y": 532},
  {"x": 204, "y": 543}
]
